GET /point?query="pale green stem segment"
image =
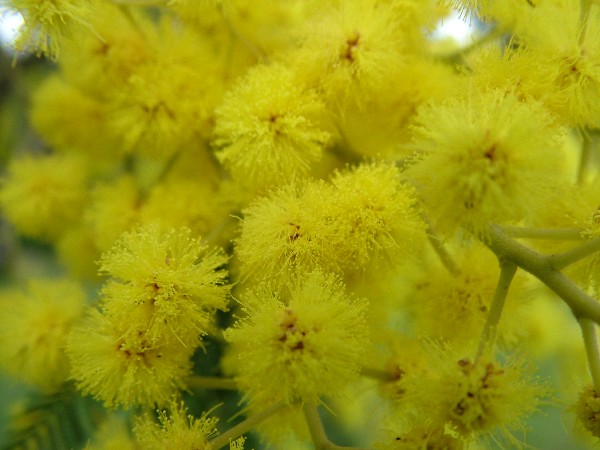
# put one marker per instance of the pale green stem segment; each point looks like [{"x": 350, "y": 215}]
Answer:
[
  {"x": 586, "y": 150},
  {"x": 586, "y": 6},
  {"x": 162, "y": 175},
  {"x": 243, "y": 427},
  {"x": 124, "y": 8},
  {"x": 562, "y": 260},
  {"x": 559, "y": 234},
  {"x": 588, "y": 329},
  {"x": 317, "y": 430},
  {"x": 441, "y": 251},
  {"x": 197, "y": 382},
  {"x": 378, "y": 374},
  {"x": 258, "y": 54},
  {"x": 539, "y": 265},
  {"x": 488, "y": 335}
]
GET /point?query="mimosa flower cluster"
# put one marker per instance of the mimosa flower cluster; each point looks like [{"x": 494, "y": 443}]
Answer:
[{"x": 302, "y": 224}]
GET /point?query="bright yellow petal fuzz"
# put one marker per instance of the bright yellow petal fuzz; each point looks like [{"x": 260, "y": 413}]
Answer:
[
  {"x": 125, "y": 371},
  {"x": 484, "y": 158},
  {"x": 348, "y": 50},
  {"x": 423, "y": 437},
  {"x": 270, "y": 128},
  {"x": 113, "y": 209},
  {"x": 286, "y": 233},
  {"x": 167, "y": 103},
  {"x": 177, "y": 429},
  {"x": 376, "y": 215},
  {"x": 360, "y": 176},
  {"x": 42, "y": 195},
  {"x": 68, "y": 119},
  {"x": 302, "y": 345},
  {"x": 439, "y": 302},
  {"x": 182, "y": 202},
  {"x": 166, "y": 283},
  {"x": 101, "y": 62},
  {"x": 34, "y": 327},
  {"x": 587, "y": 411},
  {"x": 571, "y": 55},
  {"x": 48, "y": 21},
  {"x": 478, "y": 399},
  {"x": 365, "y": 214}
]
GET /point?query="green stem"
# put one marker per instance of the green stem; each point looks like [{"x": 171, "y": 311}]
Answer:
[
  {"x": 317, "y": 430},
  {"x": 488, "y": 335},
  {"x": 588, "y": 329},
  {"x": 562, "y": 260},
  {"x": 378, "y": 374},
  {"x": 197, "y": 382},
  {"x": 560, "y": 234},
  {"x": 243, "y": 427},
  {"x": 124, "y": 8},
  {"x": 539, "y": 265},
  {"x": 586, "y": 151},
  {"x": 258, "y": 54},
  {"x": 441, "y": 251}
]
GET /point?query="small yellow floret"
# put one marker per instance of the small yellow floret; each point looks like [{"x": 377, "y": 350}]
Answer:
[
  {"x": 351, "y": 47},
  {"x": 69, "y": 119},
  {"x": 423, "y": 437},
  {"x": 177, "y": 430},
  {"x": 376, "y": 214},
  {"x": 302, "y": 345},
  {"x": 442, "y": 300},
  {"x": 588, "y": 410},
  {"x": 43, "y": 195},
  {"x": 122, "y": 368},
  {"x": 479, "y": 398},
  {"x": 270, "y": 128},
  {"x": 364, "y": 215},
  {"x": 166, "y": 283},
  {"x": 33, "y": 330},
  {"x": 486, "y": 157}
]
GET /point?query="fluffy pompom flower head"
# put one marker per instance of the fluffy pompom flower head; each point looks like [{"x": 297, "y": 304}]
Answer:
[
  {"x": 270, "y": 128},
  {"x": 365, "y": 215},
  {"x": 34, "y": 326},
  {"x": 176, "y": 430},
  {"x": 124, "y": 368},
  {"x": 299, "y": 345},
  {"x": 478, "y": 399},
  {"x": 485, "y": 158},
  {"x": 166, "y": 283},
  {"x": 40, "y": 195}
]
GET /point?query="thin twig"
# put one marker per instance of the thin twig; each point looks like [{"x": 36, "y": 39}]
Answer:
[
  {"x": 488, "y": 335},
  {"x": 439, "y": 248},
  {"x": 562, "y": 260},
  {"x": 588, "y": 329},
  {"x": 378, "y": 374},
  {"x": 317, "y": 430},
  {"x": 243, "y": 427},
  {"x": 560, "y": 234},
  {"x": 198, "y": 382},
  {"x": 581, "y": 304}
]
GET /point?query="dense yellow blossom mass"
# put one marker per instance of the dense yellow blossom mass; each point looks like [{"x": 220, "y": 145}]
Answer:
[{"x": 300, "y": 224}]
